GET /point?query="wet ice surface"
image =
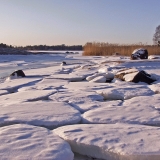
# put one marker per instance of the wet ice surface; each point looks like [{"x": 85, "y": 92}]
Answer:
[{"x": 52, "y": 96}]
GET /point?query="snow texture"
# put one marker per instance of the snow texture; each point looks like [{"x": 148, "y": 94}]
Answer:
[
  {"x": 133, "y": 112},
  {"x": 23, "y": 141},
  {"x": 124, "y": 92},
  {"x": 113, "y": 141},
  {"x": 47, "y": 114},
  {"x": 53, "y": 96},
  {"x": 24, "y": 96}
]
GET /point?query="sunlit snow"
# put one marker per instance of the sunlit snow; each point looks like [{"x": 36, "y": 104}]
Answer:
[{"x": 97, "y": 115}]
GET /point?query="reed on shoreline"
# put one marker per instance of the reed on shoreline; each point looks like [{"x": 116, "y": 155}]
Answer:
[{"x": 106, "y": 49}]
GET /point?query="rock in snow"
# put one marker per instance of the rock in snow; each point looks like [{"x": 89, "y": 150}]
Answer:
[
  {"x": 134, "y": 75},
  {"x": 139, "y": 54}
]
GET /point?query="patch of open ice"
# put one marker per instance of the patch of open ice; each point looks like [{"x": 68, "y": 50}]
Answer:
[
  {"x": 113, "y": 141},
  {"x": 23, "y": 141}
]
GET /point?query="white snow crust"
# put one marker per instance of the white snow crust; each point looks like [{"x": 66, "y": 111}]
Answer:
[
  {"x": 42, "y": 113},
  {"x": 113, "y": 141},
  {"x": 133, "y": 112},
  {"x": 124, "y": 92},
  {"x": 2, "y": 92},
  {"x": 14, "y": 84},
  {"x": 76, "y": 96},
  {"x": 52, "y": 96},
  {"x": 23, "y": 141},
  {"x": 24, "y": 96}
]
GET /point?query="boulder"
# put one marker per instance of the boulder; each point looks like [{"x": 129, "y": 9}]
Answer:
[
  {"x": 134, "y": 75},
  {"x": 63, "y": 63},
  {"x": 139, "y": 54},
  {"x": 16, "y": 74}
]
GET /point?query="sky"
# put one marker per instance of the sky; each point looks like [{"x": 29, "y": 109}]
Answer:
[{"x": 76, "y": 22}]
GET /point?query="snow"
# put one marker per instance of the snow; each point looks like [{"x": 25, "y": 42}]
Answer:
[
  {"x": 14, "y": 84},
  {"x": 2, "y": 92},
  {"x": 125, "y": 92},
  {"x": 134, "y": 112},
  {"x": 46, "y": 84},
  {"x": 24, "y": 96},
  {"x": 155, "y": 88},
  {"x": 89, "y": 105},
  {"x": 42, "y": 113},
  {"x": 76, "y": 96},
  {"x": 23, "y": 141},
  {"x": 88, "y": 86},
  {"x": 62, "y": 98},
  {"x": 113, "y": 141}
]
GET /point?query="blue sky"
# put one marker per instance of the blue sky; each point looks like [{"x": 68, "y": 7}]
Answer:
[{"x": 73, "y": 22}]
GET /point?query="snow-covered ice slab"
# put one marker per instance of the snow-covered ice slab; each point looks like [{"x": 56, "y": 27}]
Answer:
[
  {"x": 23, "y": 141},
  {"x": 133, "y": 112},
  {"x": 71, "y": 77},
  {"x": 42, "y": 113},
  {"x": 83, "y": 107},
  {"x": 46, "y": 84},
  {"x": 76, "y": 96},
  {"x": 24, "y": 96},
  {"x": 13, "y": 85},
  {"x": 145, "y": 101},
  {"x": 125, "y": 92},
  {"x": 113, "y": 141},
  {"x": 155, "y": 88},
  {"x": 89, "y": 86},
  {"x": 47, "y": 71},
  {"x": 2, "y": 92}
]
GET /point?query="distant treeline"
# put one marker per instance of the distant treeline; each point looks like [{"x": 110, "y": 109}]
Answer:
[
  {"x": 45, "y": 47},
  {"x": 56, "y": 47},
  {"x": 2, "y": 45}
]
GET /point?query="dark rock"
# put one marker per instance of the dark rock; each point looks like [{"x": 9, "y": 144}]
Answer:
[
  {"x": 139, "y": 54},
  {"x": 63, "y": 63},
  {"x": 134, "y": 75},
  {"x": 142, "y": 76},
  {"x": 18, "y": 73}
]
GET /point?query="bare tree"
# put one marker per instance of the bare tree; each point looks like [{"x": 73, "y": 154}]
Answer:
[{"x": 156, "y": 36}]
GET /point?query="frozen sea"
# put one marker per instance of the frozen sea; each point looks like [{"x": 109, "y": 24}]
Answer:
[{"x": 67, "y": 112}]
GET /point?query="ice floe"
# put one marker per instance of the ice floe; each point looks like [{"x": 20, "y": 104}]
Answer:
[
  {"x": 124, "y": 92},
  {"x": 132, "y": 111},
  {"x": 24, "y": 96},
  {"x": 47, "y": 114},
  {"x": 113, "y": 141},
  {"x": 23, "y": 141}
]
